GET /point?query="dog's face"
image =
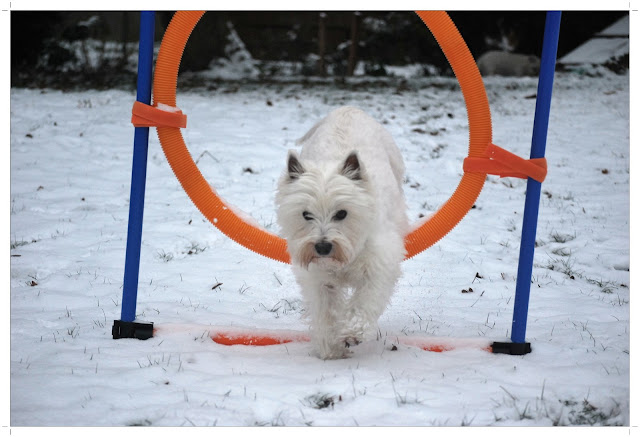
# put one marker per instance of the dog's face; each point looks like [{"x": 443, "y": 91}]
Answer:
[{"x": 325, "y": 212}]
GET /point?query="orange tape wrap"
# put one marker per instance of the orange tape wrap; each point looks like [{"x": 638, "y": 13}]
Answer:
[
  {"x": 505, "y": 164},
  {"x": 271, "y": 245},
  {"x": 143, "y": 115}
]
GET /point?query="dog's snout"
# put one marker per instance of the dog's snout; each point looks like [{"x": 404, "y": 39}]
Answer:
[{"x": 323, "y": 248}]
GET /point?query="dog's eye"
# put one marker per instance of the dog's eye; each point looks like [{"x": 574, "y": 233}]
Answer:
[
  {"x": 307, "y": 215},
  {"x": 340, "y": 215}
]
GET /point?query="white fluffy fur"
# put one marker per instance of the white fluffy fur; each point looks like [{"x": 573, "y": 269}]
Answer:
[{"x": 346, "y": 290}]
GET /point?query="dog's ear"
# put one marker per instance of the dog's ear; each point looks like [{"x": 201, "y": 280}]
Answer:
[
  {"x": 294, "y": 167},
  {"x": 352, "y": 168}
]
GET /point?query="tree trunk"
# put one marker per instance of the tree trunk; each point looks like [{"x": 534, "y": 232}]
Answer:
[
  {"x": 124, "y": 37},
  {"x": 322, "y": 44},
  {"x": 351, "y": 65}
]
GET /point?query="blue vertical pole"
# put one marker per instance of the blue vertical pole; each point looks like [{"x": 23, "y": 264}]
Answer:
[
  {"x": 532, "y": 201},
  {"x": 139, "y": 171}
]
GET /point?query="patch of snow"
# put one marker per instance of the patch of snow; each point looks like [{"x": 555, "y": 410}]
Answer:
[
  {"x": 238, "y": 64},
  {"x": 89, "y": 22},
  {"x": 619, "y": 28},
  {"x": 597, "y": 51},
  {"x": 167, "y": 108}
]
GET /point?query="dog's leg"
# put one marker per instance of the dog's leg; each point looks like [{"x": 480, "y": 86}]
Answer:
[
  {"x": 371, "y": 295},
  {"x": 329, "y": 343},
  {"x": 325, "y": 303}
]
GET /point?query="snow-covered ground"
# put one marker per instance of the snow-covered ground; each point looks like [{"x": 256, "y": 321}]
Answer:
[{"x": 70, "y": 180}]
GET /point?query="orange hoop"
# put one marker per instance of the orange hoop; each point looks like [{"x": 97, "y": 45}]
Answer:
[{"x": 270, "y": 245}]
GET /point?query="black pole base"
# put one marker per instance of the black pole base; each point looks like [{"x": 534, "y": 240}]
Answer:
[
  {"x": 141, "y": 331},
  {"x": 511, "y": 348}
]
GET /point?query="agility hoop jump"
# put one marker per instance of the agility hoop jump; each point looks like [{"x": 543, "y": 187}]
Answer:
[{"x": 483, "y": 158}]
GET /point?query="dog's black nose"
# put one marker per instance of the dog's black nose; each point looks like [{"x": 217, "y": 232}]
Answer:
[{"x": 323, "y": 248}]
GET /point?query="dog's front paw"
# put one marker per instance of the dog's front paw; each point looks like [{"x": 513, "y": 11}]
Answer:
[
  {"x": 337, "y": 353},
  {"x": 334, "y": 351},
  {"x": 331, "y": 347},
  {"x": 356, "y": 329},
  {"x": 351, "y": 338},
  {"x": 352, "y": 341}
]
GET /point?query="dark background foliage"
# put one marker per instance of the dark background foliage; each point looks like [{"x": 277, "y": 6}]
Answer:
[{"x": 38, "y": 49}]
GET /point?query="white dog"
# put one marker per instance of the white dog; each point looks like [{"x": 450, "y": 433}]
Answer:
[{"x": 342, "y": 210}]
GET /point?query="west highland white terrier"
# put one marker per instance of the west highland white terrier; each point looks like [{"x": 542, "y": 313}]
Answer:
[{"x": 342, "y": 210}]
